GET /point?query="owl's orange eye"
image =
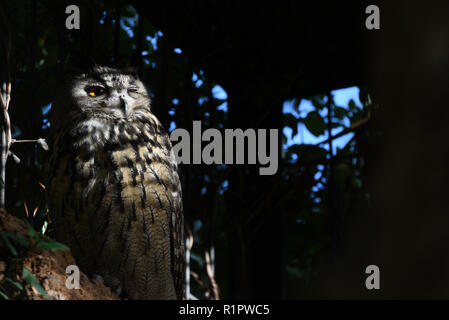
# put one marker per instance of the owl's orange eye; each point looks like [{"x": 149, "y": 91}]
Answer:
[
  {"x": 95, "y": 91},
  {"x": 133, "y": 90}
]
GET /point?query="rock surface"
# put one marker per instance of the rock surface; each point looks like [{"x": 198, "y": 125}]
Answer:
[{"x": 48, "y": 267}]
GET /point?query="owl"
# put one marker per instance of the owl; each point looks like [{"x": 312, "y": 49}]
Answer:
[{"x": 114, "y": 193}]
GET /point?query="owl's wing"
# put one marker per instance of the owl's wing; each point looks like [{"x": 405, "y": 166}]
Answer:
[{"x": 177, "y": 234}]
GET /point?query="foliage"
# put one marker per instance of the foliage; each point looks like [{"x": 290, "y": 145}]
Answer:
[
  {"x": 183, "y": 91},
  {"x": 37, "y": 240},
  {"x": 310, "y": 239},
  {"x": 31, "y": 279}
]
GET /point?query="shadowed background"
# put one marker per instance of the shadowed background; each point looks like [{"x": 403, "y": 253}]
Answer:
[{"x": 310, "y": 230}]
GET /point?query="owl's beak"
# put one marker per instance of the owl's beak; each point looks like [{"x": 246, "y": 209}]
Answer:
[{"x": 124, "y": 106}]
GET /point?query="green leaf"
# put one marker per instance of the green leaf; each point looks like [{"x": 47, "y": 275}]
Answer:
[
  {"x": 9, "y": 244},
  {"x": 315, "y": 123},
  {"x": 4, "y": 296},
  {"x": 292, "y": 122},
  {"x": 340, "y": 113},
  {"x": 29, "y": 277},
  {"x": 14, "y": 283},
  {"x": 33, "y": 233},
  {"x": 17, "y": 239},
  {"x": 318, "y": 102},
  {"x": 296, "y": 104},
  {"x": 51, "y": 245},
  {"x": 352, "y": 105},
  {"x": 364, "y": 96}
]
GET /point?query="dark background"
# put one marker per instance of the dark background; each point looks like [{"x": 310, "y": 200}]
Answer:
[{"x": 381, "y": 200}]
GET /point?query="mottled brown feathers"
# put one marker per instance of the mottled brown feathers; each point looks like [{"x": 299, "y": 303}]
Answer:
[{"x": 115, "y": 196}]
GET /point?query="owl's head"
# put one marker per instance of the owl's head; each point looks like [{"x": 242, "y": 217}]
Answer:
[{"x": 103, "y": 92}]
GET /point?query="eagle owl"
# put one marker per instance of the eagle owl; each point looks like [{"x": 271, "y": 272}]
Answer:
[{"x": 113, "y": 189}]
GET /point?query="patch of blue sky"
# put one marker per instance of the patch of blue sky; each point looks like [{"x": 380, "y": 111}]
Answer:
[
  {"x": 127, "y": 23},
  {"x": 103, "y": 17},
  {"x": 223, "y": 187},
  {"x": 219, "y": 93},
  {"x": 45, "y": 124},
  {"x": 172, "y": 126},
  {"x": 343, "y": 96},
  {"x": 46, "y": 109},
  {"x": 154, "y": 39},
  {"x": 221, "y": 166},
  {"x": 223, "y": 106},
  {"x": 201, "y": 100},
  {"x": 341, "y": 99},
  {"x": 198, "y": 82}
]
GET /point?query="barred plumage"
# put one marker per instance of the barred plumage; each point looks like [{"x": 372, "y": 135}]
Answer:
[{"x": 114, "y": 191}]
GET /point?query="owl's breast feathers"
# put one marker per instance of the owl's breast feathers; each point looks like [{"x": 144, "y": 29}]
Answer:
[{"x": 115, "y": 198}]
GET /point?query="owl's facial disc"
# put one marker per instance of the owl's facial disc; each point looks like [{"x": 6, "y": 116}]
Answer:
[
  {"x": 112, "y": 97},
  {"x": 109, "y": 94}
]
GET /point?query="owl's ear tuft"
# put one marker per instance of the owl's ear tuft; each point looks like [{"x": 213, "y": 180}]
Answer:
[{"x": 132, "y": 71}]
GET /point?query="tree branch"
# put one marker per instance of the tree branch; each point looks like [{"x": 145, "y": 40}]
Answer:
[{"x": 215, "y": 288}]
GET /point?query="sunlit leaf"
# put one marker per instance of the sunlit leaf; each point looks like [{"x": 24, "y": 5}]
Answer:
[{"x": 44, "y": 227}]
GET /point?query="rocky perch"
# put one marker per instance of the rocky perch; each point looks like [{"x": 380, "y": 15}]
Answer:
[{"x": 20, "y": 252}]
